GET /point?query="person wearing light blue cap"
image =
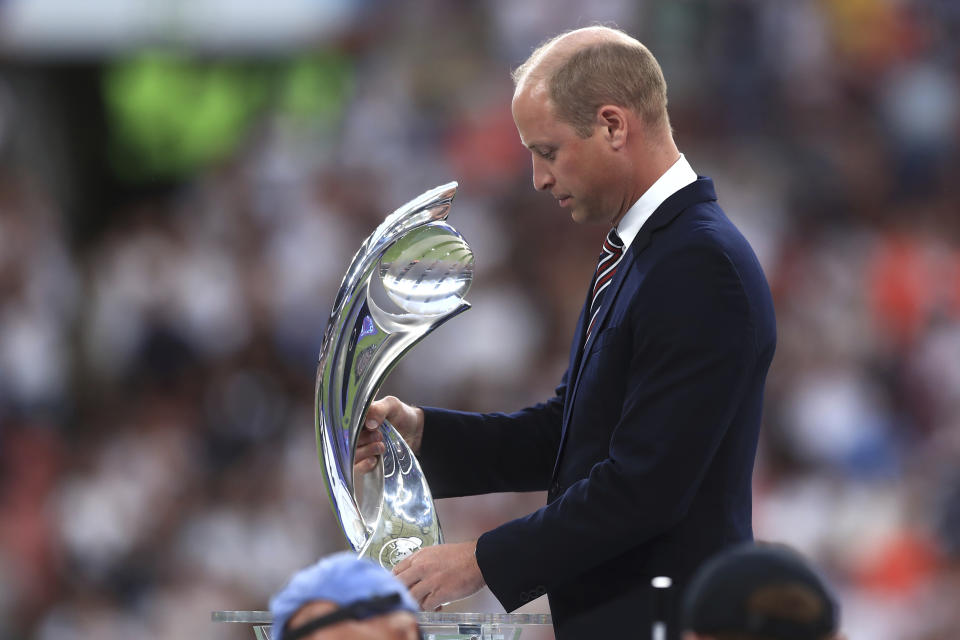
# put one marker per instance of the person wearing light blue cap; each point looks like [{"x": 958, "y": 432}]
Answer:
[{"x": 343, "y": 596}]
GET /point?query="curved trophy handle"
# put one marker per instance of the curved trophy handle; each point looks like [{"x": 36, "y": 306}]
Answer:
[{"x": 409, "y": 277}]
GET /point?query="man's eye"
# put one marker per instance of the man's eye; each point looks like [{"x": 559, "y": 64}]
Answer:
[{"x": 548, "y": 155}]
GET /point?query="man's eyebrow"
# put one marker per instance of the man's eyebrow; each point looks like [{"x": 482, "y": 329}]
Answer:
[{"x": 543, "y": 145}]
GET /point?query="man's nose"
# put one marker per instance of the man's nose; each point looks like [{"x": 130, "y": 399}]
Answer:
[{"x": 542, "y": 178}]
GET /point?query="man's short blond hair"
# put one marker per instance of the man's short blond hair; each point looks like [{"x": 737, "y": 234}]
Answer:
[{"x": 618, "y": 71}]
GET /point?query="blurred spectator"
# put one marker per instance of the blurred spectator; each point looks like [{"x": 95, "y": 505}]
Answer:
[
  {"x": 343, "y": 596},
  {"x": 758, "y": 591}
]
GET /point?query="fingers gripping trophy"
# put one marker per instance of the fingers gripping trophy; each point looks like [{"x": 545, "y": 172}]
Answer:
[{"x": 409, "y": 277}]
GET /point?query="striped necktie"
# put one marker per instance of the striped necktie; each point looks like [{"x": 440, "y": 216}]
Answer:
[{"x": 606, "y": 269}]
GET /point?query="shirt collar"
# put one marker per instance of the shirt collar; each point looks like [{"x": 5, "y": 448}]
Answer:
[{"x": 679, "y": 175}]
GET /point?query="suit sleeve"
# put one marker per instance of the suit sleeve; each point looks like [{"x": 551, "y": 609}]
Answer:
[
  {"x": 471, "y": 453},
  {"x": 693, "y": 352}
]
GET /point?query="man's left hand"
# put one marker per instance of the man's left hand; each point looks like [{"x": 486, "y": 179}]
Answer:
[{"x": 440, "y": 574}]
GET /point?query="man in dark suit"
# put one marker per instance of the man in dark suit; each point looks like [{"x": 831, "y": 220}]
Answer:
[{"x": 647, "y": 448}]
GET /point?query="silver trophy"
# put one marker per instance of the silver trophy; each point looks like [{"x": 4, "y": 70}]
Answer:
[{"x": 409, "y": 277}]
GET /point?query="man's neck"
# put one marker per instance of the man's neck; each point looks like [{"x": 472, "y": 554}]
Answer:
[
  {"x": 654, "y": 163},
  {"x": 650, "y": 161}
]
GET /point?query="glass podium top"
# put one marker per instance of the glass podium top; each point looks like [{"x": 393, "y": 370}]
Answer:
[
  {"x": 435, "y": 625},
  {"x": 264, "y": 617}
]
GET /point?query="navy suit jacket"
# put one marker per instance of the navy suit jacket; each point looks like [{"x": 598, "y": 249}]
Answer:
[{"x": 646, "y": 450}]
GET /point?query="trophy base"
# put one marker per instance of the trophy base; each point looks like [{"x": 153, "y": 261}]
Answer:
[{"x": 434, "y": 626}]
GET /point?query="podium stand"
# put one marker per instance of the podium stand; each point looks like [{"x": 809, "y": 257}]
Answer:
[{"x": 435, "y": 626}]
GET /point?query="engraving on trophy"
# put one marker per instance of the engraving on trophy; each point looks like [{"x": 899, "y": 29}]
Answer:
[
  {"x": 398, "y": 549},
  {"x": 409, "y": 277},
  {"x": 365, "y": 357}
]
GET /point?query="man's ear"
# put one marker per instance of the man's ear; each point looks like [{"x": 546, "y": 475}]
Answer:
[{"x": 615, "y": 126}]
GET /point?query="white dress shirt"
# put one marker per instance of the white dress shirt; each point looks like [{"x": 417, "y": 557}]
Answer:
[{"x": 679, "y": 175}]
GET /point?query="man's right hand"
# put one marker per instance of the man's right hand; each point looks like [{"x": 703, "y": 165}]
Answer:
[{"x": 407, "y": 420}]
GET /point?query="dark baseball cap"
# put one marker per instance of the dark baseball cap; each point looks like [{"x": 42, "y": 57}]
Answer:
[{"x": 763, "y": 590}]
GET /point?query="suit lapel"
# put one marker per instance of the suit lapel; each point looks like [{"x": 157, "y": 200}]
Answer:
[
  {"x": 576, "y": 348},
  {"x": 609, "y": 298},
  {"x": 699, "y": 191}
]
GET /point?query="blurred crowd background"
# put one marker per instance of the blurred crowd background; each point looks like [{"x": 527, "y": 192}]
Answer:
[{"x": 182, "y": 185}]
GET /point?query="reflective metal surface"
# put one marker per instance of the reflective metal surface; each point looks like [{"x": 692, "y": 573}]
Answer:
[{"x": 409, "y": 276}]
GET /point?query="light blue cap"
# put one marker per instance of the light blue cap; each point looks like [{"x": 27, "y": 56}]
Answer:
[{"x": 341, "y": 578}]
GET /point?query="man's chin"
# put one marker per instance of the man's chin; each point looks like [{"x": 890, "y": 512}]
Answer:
[{"x": 580, "y": 216}]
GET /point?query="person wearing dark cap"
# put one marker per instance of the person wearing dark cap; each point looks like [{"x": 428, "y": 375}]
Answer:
[
  {"x": 343, "y": 596},
  {"x": 759, "y": 592}
]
